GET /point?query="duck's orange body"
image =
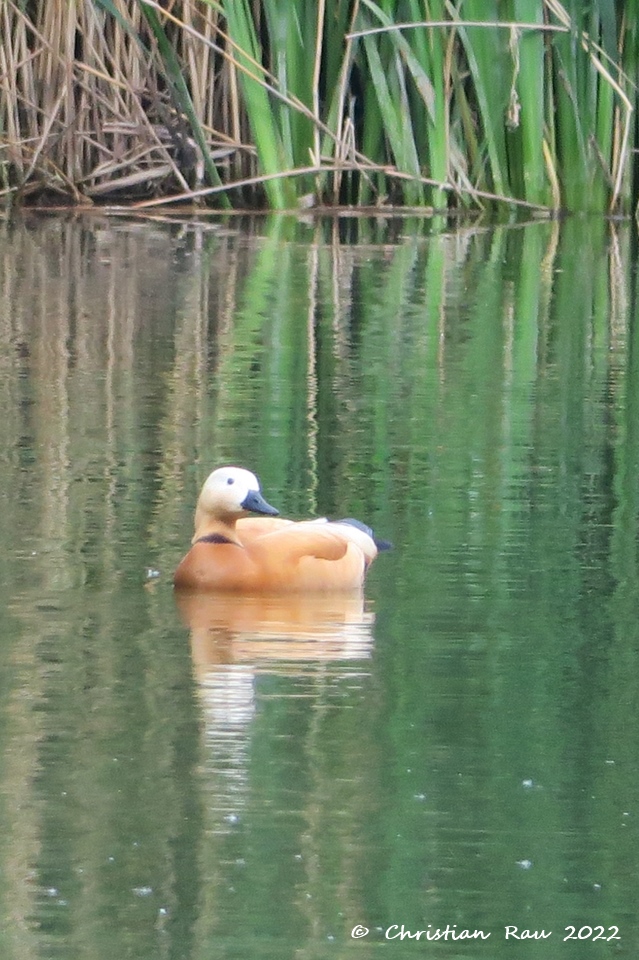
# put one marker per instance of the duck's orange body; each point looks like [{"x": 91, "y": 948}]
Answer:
[{"x": 233, "y": 552}]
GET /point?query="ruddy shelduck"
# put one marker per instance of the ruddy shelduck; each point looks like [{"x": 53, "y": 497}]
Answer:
[{"x": 232, "y": 551}]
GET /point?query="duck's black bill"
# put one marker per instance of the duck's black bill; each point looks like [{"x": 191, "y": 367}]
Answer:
[{"x": 255, "y": 502}]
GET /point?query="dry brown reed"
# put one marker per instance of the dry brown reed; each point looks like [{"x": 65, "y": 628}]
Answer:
[{"x": 85, "y": 112}]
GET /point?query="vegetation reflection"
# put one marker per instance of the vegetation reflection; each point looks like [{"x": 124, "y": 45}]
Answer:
[{"x": 461, "y": 747}]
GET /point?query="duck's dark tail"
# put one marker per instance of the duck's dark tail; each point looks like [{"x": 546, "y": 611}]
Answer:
[{"x": 380, "y": 544}]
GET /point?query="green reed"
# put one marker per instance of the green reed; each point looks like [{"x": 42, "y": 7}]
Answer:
[{"x": 302, "y": 103}]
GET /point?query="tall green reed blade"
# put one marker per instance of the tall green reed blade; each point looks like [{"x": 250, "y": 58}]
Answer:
[
  {"x": 372, "y": 136},
  {"x": 391, "y": 64},
  {"x": 526, "y": 109},
  {"x": 389, "y": 83},
  {"x": 292, "y": 46},
  {"x": 175, "y": 81},
  {"x": 337, "y": 23},
  {"x": 267, "y": 138},
  {"x": 603, "y": 138},
  {"x": 576, "y": 111},
  {"x": 567, "y": 135},
  {"x": 601, "y": 23},
  {"x": 629, "y": 46},
  {"x": 485, "y": 49},
  {"x": 421, "y": 51},
  {"x": 615, "y": 92},
  {"x": 430, "y": 49},
  {"x": 337, "y": 140}
]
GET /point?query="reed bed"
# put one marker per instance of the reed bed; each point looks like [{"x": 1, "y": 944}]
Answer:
[{"x": 240, "y": 103}]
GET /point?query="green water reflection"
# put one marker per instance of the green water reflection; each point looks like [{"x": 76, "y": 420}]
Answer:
[{"x": 253, "y": 780}]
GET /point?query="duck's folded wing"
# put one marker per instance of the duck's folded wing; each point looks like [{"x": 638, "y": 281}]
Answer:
[{"x": 306, "y": 539}]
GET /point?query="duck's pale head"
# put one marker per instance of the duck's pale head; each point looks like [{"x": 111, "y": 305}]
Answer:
[{"x": 232, "y": 492}]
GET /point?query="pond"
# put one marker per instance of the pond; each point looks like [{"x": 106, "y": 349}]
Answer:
[{"x": 456, "y": 753}]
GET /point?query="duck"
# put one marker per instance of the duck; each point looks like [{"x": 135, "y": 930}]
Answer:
[{"x": 242, "y": 545}]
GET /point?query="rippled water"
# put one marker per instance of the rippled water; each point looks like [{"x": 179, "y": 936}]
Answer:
[{"x": 456, "y": 752}]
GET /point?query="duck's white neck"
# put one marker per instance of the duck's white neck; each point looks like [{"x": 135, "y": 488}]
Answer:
[{"x": 206, "y": 524}]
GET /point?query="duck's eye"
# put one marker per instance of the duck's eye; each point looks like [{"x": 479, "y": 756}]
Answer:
[{"x": 230, "y": 481}]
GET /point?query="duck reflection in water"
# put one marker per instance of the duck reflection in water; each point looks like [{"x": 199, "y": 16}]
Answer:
[
  {"x": 269, "y": 630},
  {"x": 314, "y": 643}
]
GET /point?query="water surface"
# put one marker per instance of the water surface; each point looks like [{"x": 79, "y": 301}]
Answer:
[{"x": 457, "y": 750}]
